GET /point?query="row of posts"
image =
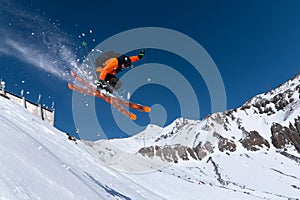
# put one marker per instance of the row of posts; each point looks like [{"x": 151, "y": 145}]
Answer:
[{"x": 40, "y": 109}]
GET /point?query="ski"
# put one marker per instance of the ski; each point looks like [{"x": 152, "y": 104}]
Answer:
[
  {"x": 108, "y": 99},
  {"x": 136, "y": 106},
  {"x": 81, "y": 80}
]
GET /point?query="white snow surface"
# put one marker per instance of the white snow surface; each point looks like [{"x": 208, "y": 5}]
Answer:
[{"x": 37, "y": 161}]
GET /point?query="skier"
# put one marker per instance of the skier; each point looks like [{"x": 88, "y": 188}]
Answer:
[{"x": 108, "y": 69}]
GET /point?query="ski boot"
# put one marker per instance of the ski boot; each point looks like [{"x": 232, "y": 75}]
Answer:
[{"x": 103, "y": 85}]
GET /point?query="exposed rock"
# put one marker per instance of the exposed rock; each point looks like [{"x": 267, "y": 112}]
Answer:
[
  {"x": 283, "y": 136},
  {"x": 226, "y": 145},
  {"x": 290, "y": 156},
  {"x": 191, "y": 153},
  {"x": 297, "y": 125},
  {"x": 158, "y": 151},
  {"x": 148, "y": 151},
  {"x": 182, "y": 152},
  {"x": 216, "y": 169},
  {"x": 245, "y": 107},
  {"x": 168, "y": 153},
  {"x": 201, "y": 151},
  {"x": 253, "y": 140}
]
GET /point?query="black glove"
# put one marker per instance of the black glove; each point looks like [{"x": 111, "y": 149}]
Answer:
[
  {"x": 142, "y": 54},
  {"x": 119, "y": 69}
]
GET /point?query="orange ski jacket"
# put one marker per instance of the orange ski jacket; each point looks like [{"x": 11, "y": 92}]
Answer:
[{"x": 111, "y": 65}]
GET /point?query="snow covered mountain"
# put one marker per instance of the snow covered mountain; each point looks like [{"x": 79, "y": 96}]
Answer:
[
  {"x": 269, "y": 121},
  {"x": 251, "y": 152}
]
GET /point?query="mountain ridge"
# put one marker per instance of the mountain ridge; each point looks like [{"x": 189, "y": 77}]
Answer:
[{"x": 279, "y": 107}]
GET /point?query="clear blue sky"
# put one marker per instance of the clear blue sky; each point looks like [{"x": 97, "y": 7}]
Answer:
[{"x": 255, "y": 45}]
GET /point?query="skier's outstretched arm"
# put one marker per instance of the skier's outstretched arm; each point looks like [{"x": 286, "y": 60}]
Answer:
[{"x": 136, "y": 58}]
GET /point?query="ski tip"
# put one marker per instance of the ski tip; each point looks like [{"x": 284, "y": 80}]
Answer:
[
  {"x": 70, "y": 86},
  {"x": 132, "y": 116},
  {"x": 147, "y": 109},
  {"x": 140, "y": 107}
]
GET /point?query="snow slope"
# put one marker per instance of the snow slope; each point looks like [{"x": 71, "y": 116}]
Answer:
[
  {"x": 247, "y": 153},
  {"x": 38, "y": 162}
]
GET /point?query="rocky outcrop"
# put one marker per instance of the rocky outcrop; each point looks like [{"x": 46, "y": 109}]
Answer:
[
  {"x": 202, "y": 150},
  {"x": 175, "y": 152},
  {"x": 266, "y": 105},
  {"x": 168, "y": 153},
  {"x": 217, "y": 172},
  {"x": 283, "y": 136},
  {"x": 253, "y": 140},
  {"x": 147, "y": 151},
  {"x": 225, "y": 144}
]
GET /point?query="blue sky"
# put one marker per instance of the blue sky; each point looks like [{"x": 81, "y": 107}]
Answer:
[{"x": 254, "y": 44}]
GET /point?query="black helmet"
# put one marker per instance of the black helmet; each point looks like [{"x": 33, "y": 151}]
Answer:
[{"x": 127, "y": 61}]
